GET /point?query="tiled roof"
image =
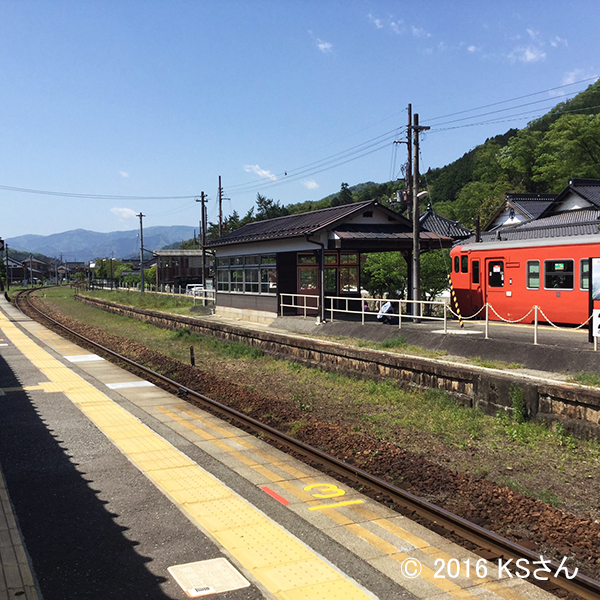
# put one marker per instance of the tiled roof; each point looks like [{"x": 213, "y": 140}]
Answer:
[
  {"x": 432, "y": 222},
  {"x": 585, "y": 221},
  {"x": 531, "y": 205},
  {"x": 292, "y": 225},
  {"x": 588, "y": 189}
]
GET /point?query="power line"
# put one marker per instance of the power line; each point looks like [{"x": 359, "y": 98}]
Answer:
[{"x": 91, "y": 196}]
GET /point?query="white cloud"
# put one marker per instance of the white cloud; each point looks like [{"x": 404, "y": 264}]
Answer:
[
  {"x": 377, "y": 22},
  {"x": 124, "y": 174},
  {"x": 472, "y": 49},
  {"x": 324, "y": 46},
  {"x": 320, "y": 44},
  {"x": 310, "y": 184},
  {"x": 123, "y": 213},
  {"x": 260, "y": 172},
  {"x": 419, "y": 32},
  {"x": 530, "y": 54},
  {"x": 558, "y": 41},
  {"x": 579, "y": 75},
  {"x": 396, "y": 26}
]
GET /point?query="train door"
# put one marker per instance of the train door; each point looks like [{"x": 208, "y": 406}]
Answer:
[{"x": 495, "y": 292}]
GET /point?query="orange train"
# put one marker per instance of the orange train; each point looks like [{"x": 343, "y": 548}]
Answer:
[{"x": 513, "y": 276}]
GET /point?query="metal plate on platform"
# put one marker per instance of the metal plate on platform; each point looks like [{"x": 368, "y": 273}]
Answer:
[
  {"x": 207, "y": 577},
  {"x": 83, "y": 358},
  {"x": 129, "y": 384}
]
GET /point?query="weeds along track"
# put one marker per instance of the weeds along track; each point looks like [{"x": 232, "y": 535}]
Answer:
[{"x": 373, "y": 468}]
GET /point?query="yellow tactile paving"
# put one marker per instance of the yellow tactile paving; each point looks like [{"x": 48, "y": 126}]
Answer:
[{"x": 227, "y": 516}]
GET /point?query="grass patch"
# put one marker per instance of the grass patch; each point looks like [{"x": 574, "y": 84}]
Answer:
[
  {"x": 586, "y": 378},
  {"x": 493, "y": 364},
  {"x": 177, "y": 304}
]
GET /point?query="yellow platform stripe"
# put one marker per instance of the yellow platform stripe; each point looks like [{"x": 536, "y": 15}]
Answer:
[{"x": 278, "y": 560}]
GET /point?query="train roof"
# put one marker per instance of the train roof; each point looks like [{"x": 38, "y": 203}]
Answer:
[{"x": 570, "y": 226}]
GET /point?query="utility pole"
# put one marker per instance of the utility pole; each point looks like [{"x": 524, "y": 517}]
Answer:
[
  {"x": 202, "y": 200},
  {"x": 409, "y": 173},
  {"x": 220, "y": 208},
  {"x": 7, "y": 272},
  {"x": 416, "y": 266},
  {"x": 141, "y": 216}
]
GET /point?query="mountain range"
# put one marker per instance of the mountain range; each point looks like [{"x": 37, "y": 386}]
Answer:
[{"x": 83, "y": 245}]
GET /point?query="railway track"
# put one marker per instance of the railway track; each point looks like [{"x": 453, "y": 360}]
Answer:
[{"x": 488, "y": 544}]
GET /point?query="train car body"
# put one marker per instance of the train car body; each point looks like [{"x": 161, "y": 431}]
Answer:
[{"x": 513, "y": 276}]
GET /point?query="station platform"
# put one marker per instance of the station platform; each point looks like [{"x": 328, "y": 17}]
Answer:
[{"x": 114, "y": 488}]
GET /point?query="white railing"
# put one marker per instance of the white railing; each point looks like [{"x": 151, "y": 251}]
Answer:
[
  {"x": 299, "y": 302},
  {"x": 400, "y": 309}
]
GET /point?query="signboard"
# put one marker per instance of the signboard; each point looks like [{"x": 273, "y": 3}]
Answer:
[
  {"x": 594, "y": 296},
  {"x": 595, "y": 278},
  {"x": 596, "y": 322}
]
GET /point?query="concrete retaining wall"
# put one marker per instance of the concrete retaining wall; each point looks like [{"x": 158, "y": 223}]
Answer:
[{"x": 576, "y": 407}]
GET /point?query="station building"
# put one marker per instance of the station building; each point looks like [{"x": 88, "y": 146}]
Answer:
[{"x": 302, "y": 259}]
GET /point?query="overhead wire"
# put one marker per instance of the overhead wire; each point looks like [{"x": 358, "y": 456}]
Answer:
[{"x": 335, "y": 160}]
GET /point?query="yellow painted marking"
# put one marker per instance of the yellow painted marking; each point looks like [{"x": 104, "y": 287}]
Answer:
[
  {"x": 283, "y": 564},
  {"x": 328, "y": 490},
  {"x": 336, "y": 504}
]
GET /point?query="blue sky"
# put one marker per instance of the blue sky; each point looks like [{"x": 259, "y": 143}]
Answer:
[{"x": 133, "y": 100}]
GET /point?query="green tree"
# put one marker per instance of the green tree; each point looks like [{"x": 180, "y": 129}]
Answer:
[
  {"x": 344, "y": 197},
  {"x": 385, "y": 273},
  {"x": 435, "y": 266},
  {"x": 268, "y": 208},
  {"x": 479, "y": 199},
  {"x": 571, "y": 148}
]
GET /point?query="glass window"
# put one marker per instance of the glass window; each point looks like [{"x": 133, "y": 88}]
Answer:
[
  {"x": 349, "y": 259},
  {"x": 251, "y": 260},
  {"x": 222, "y": 262},
  {"x": 584, "y": 274},
  {"x": 349, "y": 279},
  {"x": 331, "y": 281},
  {"x": 464, "y": 264},
  {"x": 237, "y": 260},
  {"x": 268, "y": 259},
  {"x": 237, "y": 280},
  {"x": 251, "y": 281},
  {"x": 475, "y": 268},
  {"x": 331, "y": 259},
  {"x": 496, "y": 273},
  {"x": 268, "y": 281},
  {"x": 533, "y": 274},
  {"x": 456, "y": 264},
  {"x": 307, "y": 259},
  {"x": 308, "y": 279},
  {"x": 223, "y": 280},
  {"x": 558, "y": 274}
]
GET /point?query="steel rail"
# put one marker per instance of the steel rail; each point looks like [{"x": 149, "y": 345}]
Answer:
[{"x": 582, "y": 585}]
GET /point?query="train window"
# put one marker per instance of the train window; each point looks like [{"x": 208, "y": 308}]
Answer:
[
  {"x": 558, "y": 274},
  {"x": 584, "y": 274},
  {"x": 464, "y": 264},
  {"x": 456, "y": 264},
  {"x": 475, "y": 269},
  {"x": 496, "y": 274},
  {"x": 533, "y": 274}
]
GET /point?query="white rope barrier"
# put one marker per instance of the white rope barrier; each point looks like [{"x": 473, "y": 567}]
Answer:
[{"x": 508, "y": 320}]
